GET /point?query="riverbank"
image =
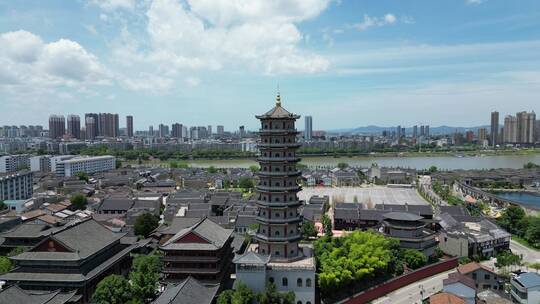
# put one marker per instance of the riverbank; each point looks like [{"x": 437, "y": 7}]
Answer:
[{"x": 419, "y": 162}]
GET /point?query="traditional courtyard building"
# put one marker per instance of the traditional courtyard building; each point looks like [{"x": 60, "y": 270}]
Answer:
[
  {"x": 203, "y": 251},
  {"x": 74, "y": 258},
  {"x": 279, "y": 258},
  {"x": 410, "y": 229}
]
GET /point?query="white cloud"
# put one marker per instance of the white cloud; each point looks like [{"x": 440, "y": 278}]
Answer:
[
  {"x": 253, "y": 35},
  {"x": 192, "y": 81},
  {"x": 369, "y": 21},
  {"x": 27, "y": 64},
  {"x": 475, "y": 2},
  {"x": 111, "y": 5}
]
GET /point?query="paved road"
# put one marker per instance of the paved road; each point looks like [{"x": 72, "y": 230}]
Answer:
[
  {"x": 415, "y": 292},
  {"x": 529, "y": 255}
]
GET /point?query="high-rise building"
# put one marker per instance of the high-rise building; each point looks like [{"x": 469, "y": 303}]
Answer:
[
  {"x": 74, "y": 126},
  {"x": 57, "y": 126},
  {"x": 537, "y": 131},
  {"x": 525, "y": 127},
  {"x": 426, "y": 131},
  {"x": 308, "y": 130},
  {"x": 510, "y": 130},
  {"x": 422, "y": 131},
  {"x": 109, "y": 125},
  {"x": 220, "y": 130},
  {"x": 129, "y": 125},
  {"x": 163, "y": 130},
  {"x": 176, "y": 130},
  {"x": 151, "y": 131},
  {"x": 242, "y": 132},
  {"x": 415, "y": 131},
  {"x": 398, "y": 132},
  {"x": 494, "y": 135},
  {"x": 481, "y": 134},
  {"x": 90, "y": 127},
  {"x": 209, "y": 130},
  {"x": 95, "y": 131},
  {"x": 469, "y": 136}
]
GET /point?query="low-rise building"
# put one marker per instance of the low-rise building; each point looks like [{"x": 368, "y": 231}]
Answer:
[
  {"x": 525, "y": 288},
  {"x": 74, "y": 257},
  {"x": 411, "y": 231},
  {"x": 189, "y": 291},
  {"x": 464, "y": 235},
  {"x": 13, "y": 163},
  {"x": 89, "y": 165},
  {"x": 16, "y": 186},
  {"x": 484, "y": 278},
  {"x": 461, "y": 286},
  {"x": 202, "y": 250}
]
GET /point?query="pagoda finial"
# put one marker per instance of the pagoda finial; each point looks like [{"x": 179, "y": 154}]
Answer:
[{"x": 278, "y": 97}]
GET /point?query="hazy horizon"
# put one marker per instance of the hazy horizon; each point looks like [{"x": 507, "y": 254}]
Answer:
[{"x": 218, "y": 62}]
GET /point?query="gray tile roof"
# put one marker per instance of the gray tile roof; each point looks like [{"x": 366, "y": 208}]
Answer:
[
  {"x": 116, "y": 204},
  {"x": 402, "y": 216},
  {"x": 26, "y": 230},
  {"x": 83, "y": 238},
  {"x": 528, "y": 279},
  {"x": 251, "y": 257},
  {"x": 15, "y": 295},
  {"x": 190, "y": 291},
  {"x": 214, "y": 234}
]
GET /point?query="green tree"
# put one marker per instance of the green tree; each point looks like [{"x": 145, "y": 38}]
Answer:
[
  {"x": 532, "y": 232},
  {"x": 254, "y": 169},
  {"x": 512, "y": 218},
  {"x": 353, "y": 259},
  {"x": 308, "y": 230},
  {"x": 118, "y": 164},
  {"x": 113, "y": 289},
  {"x": 246, "y": 183},
  {"x": 507, "y": 258},
  {"x": 16, "y": 251},
  {"x": 241, "y": 295},
  {"x": 82, "y": 176},
  {"x": 535, "y": 266},
  {"x": 272, "y": 296},
  {"x": 530, "y": 165},
  {"x": 144, "y": 276},
  {"x": 145, "y": 224},
  {"x": 414, "y": 258},
  {"x": 343, "y": 166},
  {"x": 327, "y": 225},
  {"x": 212, "y": 169},
  {"x": 2, "y": 205},
  {"x": 173, "y": 164},
  {"x": 433, "y": 169},
  {"x": 79, "y": 201},
  {"x": 5, "y": 264}
]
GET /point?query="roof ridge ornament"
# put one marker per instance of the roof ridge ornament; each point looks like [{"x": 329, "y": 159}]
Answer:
[{"x": 278, "y": 99}]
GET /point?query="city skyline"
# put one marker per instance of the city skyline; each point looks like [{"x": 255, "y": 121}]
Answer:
[{"x": 339, "y": 61}]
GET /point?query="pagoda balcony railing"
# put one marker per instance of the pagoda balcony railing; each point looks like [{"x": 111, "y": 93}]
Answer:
[
  {"x": 284, "y": 205},
  {"x": 274, "y": 131},
  {"x": 179, "y": 258},
  {"x": 191, "y": 270},
  {"x": 278, "y": 159},
  {"x": 279, "y": 173},
  {"x": 278, "y": 238},
  {"x": 278, "y": 188},
  {"x": 279, "y": 145},
  {"x": 277, "y": 220}
]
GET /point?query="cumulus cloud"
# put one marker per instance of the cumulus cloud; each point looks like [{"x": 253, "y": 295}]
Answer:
[
  {"x": 254, "y": 35},
  {"x": 369, "y": 21},
  {"x": 27, "y": 60}
]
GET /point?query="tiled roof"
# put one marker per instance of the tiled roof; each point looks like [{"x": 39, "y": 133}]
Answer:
[
  {"x": 190, "y": 291},
  {"x": 473, "y": 266},
  {"x": 15, "y": 295},
  {"x": 445, "y": 298},
  {"x": 215, "y": 235}
]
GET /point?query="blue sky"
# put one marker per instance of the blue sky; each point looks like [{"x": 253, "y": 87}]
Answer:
[{"x": 347, "y": 63}]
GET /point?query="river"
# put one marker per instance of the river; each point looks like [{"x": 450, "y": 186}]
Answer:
[
  {"x": 417, "y": 162},
  {"x": 527, "y": 199}
]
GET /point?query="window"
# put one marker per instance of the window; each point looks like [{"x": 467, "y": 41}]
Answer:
[
  {"x": 284, "y": 282},
  {"x": 474, "y": 276},
  {"x": 277, "y": 253},
  {"x": 271, "y": 280},
  {"x": 299, "y": 282},
  {"x": 276, "y": 233},
  {"x": 308, "y": 282},
  {"x": 299, "y": 302},
  {"x": 487, "y": 277}
]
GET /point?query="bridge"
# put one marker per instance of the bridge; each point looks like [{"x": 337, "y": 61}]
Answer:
[{"x": 480, "y": 194}]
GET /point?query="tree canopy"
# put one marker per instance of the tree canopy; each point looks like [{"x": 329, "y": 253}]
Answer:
[
  {"x": 414, "y": 258},
  {"x": 5, "y": 264},
  {"x": 357, "y": 257},
  {"x": 144, "y": 276},
  {"x": 327, "y": 225},
  {"x": 241, "y": 295},
  {"x": 272, "y": 296},
  {"x": 114, "y": 289},
  {"x": 79, "y": 201},
  {"x": 308, "y": 230},
  {"x": 145, "y": 224},
  {"x": 524, "y": 226}
]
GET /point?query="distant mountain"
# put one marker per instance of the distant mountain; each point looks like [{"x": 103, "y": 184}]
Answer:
[{"x": 432, "y": 130}]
